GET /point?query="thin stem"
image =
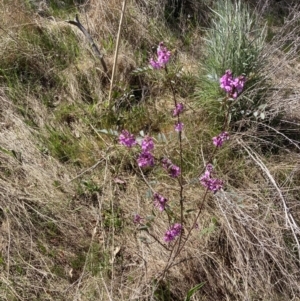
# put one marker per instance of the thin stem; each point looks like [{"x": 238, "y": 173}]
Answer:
[
  {"x": 226, "y": 123},
  {"x": 116, "y": 56},
  {"x": 181, "y": 162},
  {"x": 179, "y": 249},
  {"x": 157, "y": 240},
  {"x": 195, "y": 220},
  {"x": 168, "y": 265}
]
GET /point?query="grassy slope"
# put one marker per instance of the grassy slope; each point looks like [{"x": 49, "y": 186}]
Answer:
[{"x": 68, "y": 191}]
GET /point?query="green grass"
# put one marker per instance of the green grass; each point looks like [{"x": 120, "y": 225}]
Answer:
[
  {"x": 234, "y": 41},
  {"x": 62, "y": 145},
  {"x": 32, "y": 65},
  {"x": 98, "y": 260}
]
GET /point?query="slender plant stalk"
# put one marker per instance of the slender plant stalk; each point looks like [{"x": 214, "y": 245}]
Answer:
[
  {"x": 181, "y": 161},
  {"x": 180, "y": 247},
  {"x": 194, "y": 223},
  {"x": 110, "y": 105},
  {"x": 179, "y": 243}
]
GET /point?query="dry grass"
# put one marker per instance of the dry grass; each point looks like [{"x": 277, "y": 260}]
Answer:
[{"x": 68, "y": 192}]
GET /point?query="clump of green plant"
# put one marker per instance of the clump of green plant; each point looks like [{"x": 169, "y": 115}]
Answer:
[
  {"x": 62, "y": 145},
  {"x": 235, "y": 41},
  {"x": 35, "y": 59}
]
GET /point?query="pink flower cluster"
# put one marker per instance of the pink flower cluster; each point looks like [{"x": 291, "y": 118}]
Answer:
[
  {"x": 137, "y": 219},
  {"x": 173, "y": 231},
  {"x": 160, "y": 201},
  {"x": 163, "y": 57},
  {"x": 179, "y": 127},
  {"x": 220, "y": 139},
  {"x": 173, "y": 170},
  {"x": 127, "y": 139},
  {"x": 178, "y": 109},
  {"x": 232, "y": 86},
  {"x": 146, "y": 158},
  {"x": 210, "y": 183}
]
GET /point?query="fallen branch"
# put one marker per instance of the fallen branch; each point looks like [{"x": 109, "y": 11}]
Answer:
[{"x": 91, "y": 41}]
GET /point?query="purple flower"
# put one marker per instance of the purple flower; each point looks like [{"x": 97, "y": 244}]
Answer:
[
  {"x": 147, "y": 144},
  {"x": 163, "y": 57},
  {"x": 209, "y": 167},
  {"x": 145, "y": 159},
  {"x": 232, "y": 86},
  {"x": 219, "y": 140},
  {"x": 154, "y": 64},
  {"x": 226, "y": 81},
  {"x": 179, "y": 127},
  {"x": 173, "y": 231},
  {"x": 210, "y": 183},
  {"x": 239, "y": 83},
  {"x": 137, "y": 219},
  {"x": 178, "y": 109},
  {"x": 173, "y": 170},
  {"x": 160, "y": 201},
  {"x": 127, "y": 139}
]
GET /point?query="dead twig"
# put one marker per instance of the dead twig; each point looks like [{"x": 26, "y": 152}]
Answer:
[{"x": 91, "y": 41}]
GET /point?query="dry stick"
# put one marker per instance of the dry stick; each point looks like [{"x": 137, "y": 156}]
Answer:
[
  {"x": 82, "y": 173},
  {"x": 91, "y": 41},
  {"x": 116, "y": 56}
]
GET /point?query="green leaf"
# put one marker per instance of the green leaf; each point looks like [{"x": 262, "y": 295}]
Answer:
[
  {"x": 109, "y": 132},
  {"x": 143, "y": 228},
  {"x": 208, "y": 230},
  {"x": 189, "y": 210},
  {"x": 149, "y": 194},
  {"x": 151, "y": 217},
  {"x": 193, "y": 290},
  {"x": 214, "y": 221}
]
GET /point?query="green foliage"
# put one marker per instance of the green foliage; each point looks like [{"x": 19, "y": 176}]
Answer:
[
  {"x": 64, "y": 8},
  {"x": 97, "y": 260},
  {"x": 211, "y": 227},
  {"x": 235, "y": 41},
  {"x": 58, "y": 45},
  {"x": 58, "y": 270},
  {"x": 34, "y": 60},
  {"x": 78, "y": 262},
  {"x": 112, "y": 219},
  {"x": 162, "y": 291},
  {"x": 193, "y": 290},
  {"x": 91, "y": 187},
  {"x": 87, "y": 84},
  {"x": 67, "y": 113},
  {"x": 62, "y": 145}
]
